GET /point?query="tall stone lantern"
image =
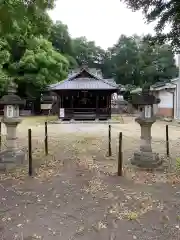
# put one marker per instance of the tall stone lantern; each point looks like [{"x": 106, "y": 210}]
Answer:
[
  {"x": 146, "y": 158},
  {"x": 12, "y": 155}
]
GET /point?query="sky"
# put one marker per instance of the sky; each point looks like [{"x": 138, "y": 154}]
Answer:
[{"x": 102, "y": 21}]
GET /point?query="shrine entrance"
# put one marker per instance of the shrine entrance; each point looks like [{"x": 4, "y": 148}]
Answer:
[{"x": 85, "y": 99}]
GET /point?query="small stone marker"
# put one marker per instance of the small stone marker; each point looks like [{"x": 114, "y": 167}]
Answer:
[
  {"x": 145, "y": 158},
  {"x": 12, "y": 155}
]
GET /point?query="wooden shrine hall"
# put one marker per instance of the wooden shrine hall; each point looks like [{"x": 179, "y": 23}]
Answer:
[{"x": 84, "y": 96}]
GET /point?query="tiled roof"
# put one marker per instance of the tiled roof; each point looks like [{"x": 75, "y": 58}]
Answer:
[
  {"x": 91, "y": 82},
  {"x": 158, "y": 84},
  {"x": 83, "y": 83},
  {"x": 112, "y": 82}
]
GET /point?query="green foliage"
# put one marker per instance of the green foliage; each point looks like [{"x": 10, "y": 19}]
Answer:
[
  {"x": 25, "y": 53},
  {"x": 60, "y": 38},
  {"x": 164, "y": 13},
  {"x": 4, "y": 59},
  {"x": 29, "y": 17},
  {"x": 36, "y": 52},
  {"x": 72, "y": 61},
  {"x": 133, "y": 60},
  {"x": 86, "y": 52},
  {"x": 40, "y": 65},
  {"x": 62, "y": 42}
]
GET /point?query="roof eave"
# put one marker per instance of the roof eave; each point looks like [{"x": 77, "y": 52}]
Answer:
[{"x": 81, "y": 89}]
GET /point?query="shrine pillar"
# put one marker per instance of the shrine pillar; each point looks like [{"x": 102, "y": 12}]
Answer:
[{"x": 97, "y": 107}]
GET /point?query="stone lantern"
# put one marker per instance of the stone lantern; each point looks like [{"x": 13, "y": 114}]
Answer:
[
  {"x": 12, "y": 155},
  {"x": 146, "y": 158}
]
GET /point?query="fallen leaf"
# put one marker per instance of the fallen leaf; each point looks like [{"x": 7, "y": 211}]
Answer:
[
  {"x": 101, "y": 225},
  {"x": 132, "y": 216},
  {"x": 19, "y": 225}
]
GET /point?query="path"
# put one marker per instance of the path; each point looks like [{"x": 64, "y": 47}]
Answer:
[
  {"x": 78, "y": 204},
  {"x": 72, "y": 200}
]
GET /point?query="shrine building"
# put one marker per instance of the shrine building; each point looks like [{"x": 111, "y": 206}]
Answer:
[{"x": 84, "y": 96}]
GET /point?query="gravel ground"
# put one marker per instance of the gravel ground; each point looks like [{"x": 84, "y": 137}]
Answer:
[{"x": 77, "y": 195}]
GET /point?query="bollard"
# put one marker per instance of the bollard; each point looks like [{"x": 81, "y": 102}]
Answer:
[
  {"x": 30, "y": 152},
  {"x": 120, "y": 156},
  {"x": 46, "y": 140},
  {"x": 167, "y": 140},
  {"x": 0, "y": 135},
  {"x": 109, "y": 142}
]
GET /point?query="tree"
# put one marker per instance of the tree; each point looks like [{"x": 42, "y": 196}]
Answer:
[
  {"x": 86, "y": 52},
  {"x": 36, "y": 52},
  {"x": 109, "y": 66},
  {"x": 39, "y": 66},
  {"x": 133, "y": 60},
  {"x": 4, "y": 59},
  {"x": 123, "y": 61},
  {"x": 24, "y": 28},
  {"x": 165, "y": 13},
  {"x": 21, "y": 20},
  {"x": 62, "y": 42},
  {"x": 157, "y": 63},
  {"x": 25, "y": 16},
  {"x": 60, "y": 38}
]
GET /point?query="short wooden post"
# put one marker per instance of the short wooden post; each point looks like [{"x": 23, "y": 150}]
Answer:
[
  {"x": 120, "y": 156},
  {"x": 109, "y": 142},
  {"x": 167, "y": 140},
  {"x": 0, "y": 135},
  {"x": 46, "y": 139},
  {"x": 30, "y": 152}
]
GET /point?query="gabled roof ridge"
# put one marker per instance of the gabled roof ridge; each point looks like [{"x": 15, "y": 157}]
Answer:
[
  {"x": 93, "y": 75},
  {"x": 83, "y": 69},
  {"x": 73, "y": 76}
]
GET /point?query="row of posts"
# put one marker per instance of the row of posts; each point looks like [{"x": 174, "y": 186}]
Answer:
[
  {"x": 30, "y": 160},
  {"x": 120, "y": 153}
]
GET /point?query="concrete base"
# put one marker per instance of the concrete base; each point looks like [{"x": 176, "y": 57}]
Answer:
[
  {"x": 146, "y": 160},
  {"x": 9, "y": 159}
]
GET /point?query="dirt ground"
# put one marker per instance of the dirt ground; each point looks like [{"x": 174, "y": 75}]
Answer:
[{"x": 75, "y": 193}]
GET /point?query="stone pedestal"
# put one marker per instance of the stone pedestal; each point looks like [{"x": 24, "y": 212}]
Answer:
[
  {"x": 145, "y": 158},
  {"x": 12, "y": 156}
]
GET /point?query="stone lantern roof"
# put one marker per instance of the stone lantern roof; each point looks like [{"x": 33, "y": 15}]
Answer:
[
  {"x": 11, "y": 98},
  {"x": 145, "y": 98}
]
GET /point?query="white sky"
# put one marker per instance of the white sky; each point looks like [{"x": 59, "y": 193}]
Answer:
[{"x": 102, "y": 21}]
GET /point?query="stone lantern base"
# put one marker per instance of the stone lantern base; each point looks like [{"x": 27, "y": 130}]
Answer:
[
  {"x": 146, "y": 160},
  {"x": 10, "y": 159},
  {"x": 12, "y": 156}
]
